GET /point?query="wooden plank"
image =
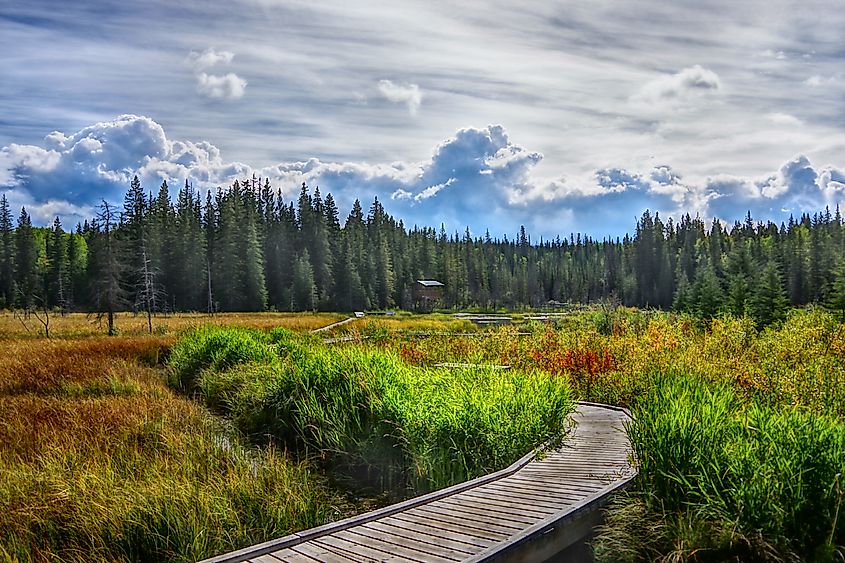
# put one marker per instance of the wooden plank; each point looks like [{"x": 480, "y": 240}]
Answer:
[
  {"x": 598, "y": 479},
  {"x": 351, "y": 546},
  {"x": 567, "y": 471},
  {"x": 531, "y": 486},
  {"x": 439, "y": 529},
  {"x": 487, "y": 532},
  {"x": 267, "y": 558},
  {"x": 552, "y": 499},
  {"x": 320, "y": 553},
  {"x": 507, "y": 505},
  {"x": 573, "y": 469},
  {"x": 521, "y": 518},
  {"x": 449, "y": 541},
  {"x": 510, "y": 499},
  {"x": 290, "y": 556},
  {"x": 427, "y": 551},
  {"x": 475, "y": 519}
]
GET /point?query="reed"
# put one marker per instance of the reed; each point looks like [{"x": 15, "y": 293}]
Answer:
[
  {"x": 725, "y": 478},
  {"x": 367, "y": 411}
]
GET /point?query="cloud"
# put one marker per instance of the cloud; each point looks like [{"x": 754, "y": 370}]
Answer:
[
  {"x": 477, "y": 177},
  {"x": 783, "y": 118},
  {"x": 689, "y": 83},
  {"x": 408, "y": 94},
  {"x": 209, "y": 58},
  {"x": 817, "y": 80},
  {"x": 228, "y": 86}
]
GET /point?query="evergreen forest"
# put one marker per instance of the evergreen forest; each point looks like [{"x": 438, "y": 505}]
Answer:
[{"x": 246, "y": 248}]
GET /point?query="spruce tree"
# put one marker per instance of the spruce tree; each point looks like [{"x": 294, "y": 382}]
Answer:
[
  {"x": 58, "y": 283},
  {"x": 768, "y": 303},
  {"x": 836, "y": 293},
  {"x": 304, "y": 291},
  {"x": 26, "y": 263},
  {"x": 7, "y": 255}
]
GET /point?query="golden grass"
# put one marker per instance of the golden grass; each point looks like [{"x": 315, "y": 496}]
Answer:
[
  {"x": 434, "y": 322},
  {"x": 78, "y": 325},
  {"x": 101, "y": 461}
]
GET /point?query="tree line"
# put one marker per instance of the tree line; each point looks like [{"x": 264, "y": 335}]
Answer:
[{"x": 245, "y": 248}]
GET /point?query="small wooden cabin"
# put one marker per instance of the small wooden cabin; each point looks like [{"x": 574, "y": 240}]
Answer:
[{"x": 427, "y": 293}]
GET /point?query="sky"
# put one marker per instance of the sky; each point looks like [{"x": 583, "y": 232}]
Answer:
[{"x": 562, "y": 116}]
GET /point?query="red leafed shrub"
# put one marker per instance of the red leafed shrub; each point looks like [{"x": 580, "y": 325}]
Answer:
[
  {"x": 411, "y": 355},
  {"x": 577, "y": 362}
]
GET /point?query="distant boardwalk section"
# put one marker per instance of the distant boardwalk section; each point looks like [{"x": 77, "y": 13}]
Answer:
[{"x": 533, "y": 510}]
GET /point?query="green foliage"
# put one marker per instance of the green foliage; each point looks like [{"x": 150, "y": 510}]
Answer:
[
  {"x": 247, "y": 249},
  {"x": 366, "y": 412},
  {"x": 728, "y": 479},
  {"x": 217, "y": 349}
]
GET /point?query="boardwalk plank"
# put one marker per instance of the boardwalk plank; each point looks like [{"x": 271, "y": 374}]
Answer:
[
  {"x": 407, "y": 548},
  {"x": 320, "y": 553},
  {"x": 480, "y": 519},
  {"x": 535, "y": 487},
  {"x": 355, "y": 546},
  {"x": 290, "y": 556},
  {"x": 470, "y": 506},
  {"x": 438, "y": 529},
  {"x": 551, "y": 499},
  {"x": 474, "y": 518},
  {"x": 268, "y": 558},
  {"x": 452, "y": 541},
  {"x": 506, "y": 498},
  {"x": 490, "y": 531}
]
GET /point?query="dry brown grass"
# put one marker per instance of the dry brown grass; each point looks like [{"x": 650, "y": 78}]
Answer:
[
  {"x": 48, "y": 366},
  {"x": 77, "y": 325},
  {"x": 101, "y": 461}
]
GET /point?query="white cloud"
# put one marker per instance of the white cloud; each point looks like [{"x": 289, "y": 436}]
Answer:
[
  {"x": 408, "y": 94},
  {"x": 477, "y": 177},
  {"x": 227, "y": 87},
  {"x": 209, "y": 58},
  {"x": 781, "y": 118},
  {"x": 817, "y": 80},
  {"x": 690, "y": 82}
]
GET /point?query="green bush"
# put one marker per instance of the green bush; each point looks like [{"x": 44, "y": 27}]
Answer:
[
  {"x": 367, "y": 412},
  {"x": 216, "y": 348},
  {"x": 725, "y": 479}
]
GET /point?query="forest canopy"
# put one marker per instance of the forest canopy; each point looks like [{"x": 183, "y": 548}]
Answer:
[{"x": 245, "y": 248}]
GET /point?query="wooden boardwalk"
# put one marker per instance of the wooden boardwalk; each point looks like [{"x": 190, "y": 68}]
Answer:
[{"x": 527, "y": 512}]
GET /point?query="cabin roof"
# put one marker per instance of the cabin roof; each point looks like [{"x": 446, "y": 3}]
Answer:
[{"x": 430, "y": 283}]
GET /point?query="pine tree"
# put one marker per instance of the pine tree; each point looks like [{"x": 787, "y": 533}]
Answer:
[
  {"x": 768, "y": 303},
  {"x": 133, "y": 235},
  {"x": 57, "y": 277},
  {"x": 26, "y": 263},
  {"x": 707, "y": 293},
  {"x": 7, "y": 255},
  {"x": 304, "y": 292},
  {"x": 836, "y": 293},
  {"x": 77, "y": 260}
]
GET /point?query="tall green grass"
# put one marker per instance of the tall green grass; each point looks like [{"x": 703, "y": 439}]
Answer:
[
  {"x": 724, "y": 478},
  {"x": 366, "y": 412}
]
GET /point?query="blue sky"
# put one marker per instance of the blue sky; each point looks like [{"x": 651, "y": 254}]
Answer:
[{"x": 562, "y": 116}]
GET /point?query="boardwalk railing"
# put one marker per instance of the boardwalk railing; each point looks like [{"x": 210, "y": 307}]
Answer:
[{"x": 530, "y": 511}]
